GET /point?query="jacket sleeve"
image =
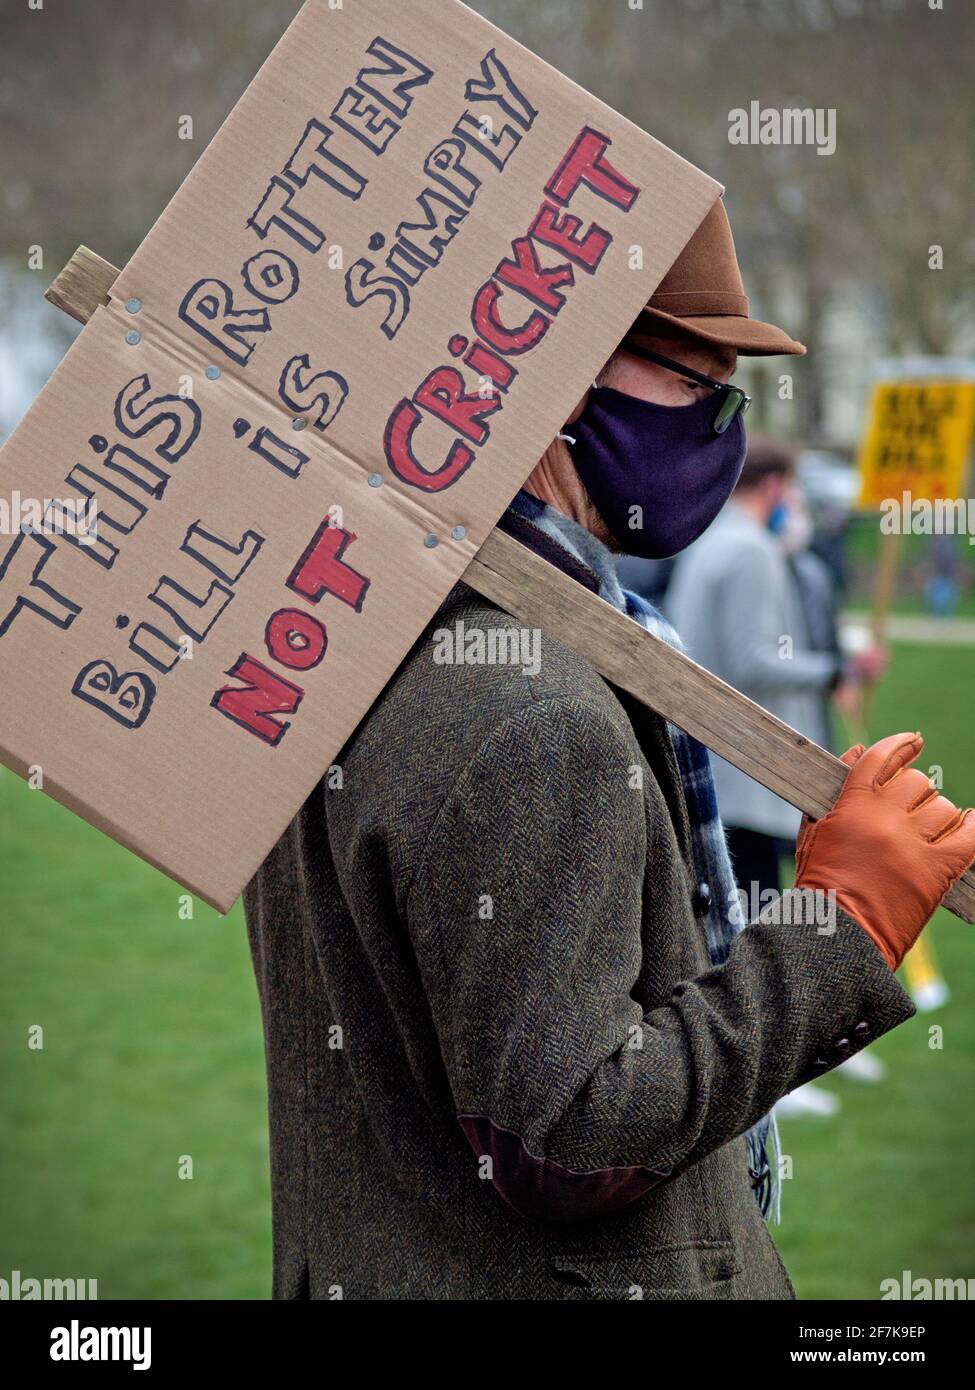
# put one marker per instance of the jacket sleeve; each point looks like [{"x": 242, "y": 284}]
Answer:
[
  {"x": 752, "y": 632},
  {"x": 525, "y": 912}
]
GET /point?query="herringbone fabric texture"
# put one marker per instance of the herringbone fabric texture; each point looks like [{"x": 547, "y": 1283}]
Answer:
[{"x": 488, "y": 1005}]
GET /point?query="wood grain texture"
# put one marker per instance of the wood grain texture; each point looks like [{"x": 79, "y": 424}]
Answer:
[
  {"x": 538, "y": 595},
  {"x": 83, "y": 285}
]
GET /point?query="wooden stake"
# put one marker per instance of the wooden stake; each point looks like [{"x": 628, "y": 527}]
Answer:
[
  {"x": 539, "y": 595},
  {"x": 83, "y": 285},
  {"x": 885, "y": 580}
]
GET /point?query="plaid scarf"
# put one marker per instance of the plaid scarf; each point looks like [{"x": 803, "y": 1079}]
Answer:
[{"x": 724, "y": 919}]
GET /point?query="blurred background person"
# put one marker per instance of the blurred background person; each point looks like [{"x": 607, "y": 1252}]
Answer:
[{"x": 756, "y": 607}]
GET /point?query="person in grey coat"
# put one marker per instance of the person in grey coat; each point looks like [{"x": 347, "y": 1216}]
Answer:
[{"x": 517, "y": 1047}]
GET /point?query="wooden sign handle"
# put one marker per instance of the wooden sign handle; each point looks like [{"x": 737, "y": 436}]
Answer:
[{"x": 539, "y": 595}]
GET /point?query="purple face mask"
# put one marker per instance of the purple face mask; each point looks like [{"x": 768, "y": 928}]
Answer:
[{"x": 657, "y": 474}]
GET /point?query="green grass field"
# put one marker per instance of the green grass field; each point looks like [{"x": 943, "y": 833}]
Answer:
[
  {"x": 152, "y": 1052},
  {"x": 886, "y": 1184}
]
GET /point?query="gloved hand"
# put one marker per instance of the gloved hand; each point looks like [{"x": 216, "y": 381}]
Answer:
[{"x": 890, "y": 847}]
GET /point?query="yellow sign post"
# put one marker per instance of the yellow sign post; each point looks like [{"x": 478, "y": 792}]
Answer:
[{"x": 916, "y": 450}]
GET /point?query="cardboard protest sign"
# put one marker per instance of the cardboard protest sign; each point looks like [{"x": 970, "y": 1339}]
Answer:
[
  {"x": 918, "y": 440},
  {"x": 316, "y": 385},
  {"x": 629, "y": 656}
]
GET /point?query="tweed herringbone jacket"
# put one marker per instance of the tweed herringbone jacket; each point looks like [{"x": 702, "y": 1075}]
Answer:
[{"x": 500, "y": 1064}]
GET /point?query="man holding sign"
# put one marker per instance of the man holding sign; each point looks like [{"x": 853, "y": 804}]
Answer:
[{"x": 520, "y": 1044}]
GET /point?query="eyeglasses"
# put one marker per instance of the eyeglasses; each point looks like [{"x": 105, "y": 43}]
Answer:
[{"x": 735, "y": 401}]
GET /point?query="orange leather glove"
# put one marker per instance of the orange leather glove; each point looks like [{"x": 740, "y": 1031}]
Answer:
[{"x": 890, "y": 847}]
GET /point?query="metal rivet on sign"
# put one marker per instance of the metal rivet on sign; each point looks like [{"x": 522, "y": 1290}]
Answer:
[
  {"x": 459, "y": 532},
  {"x": 133, "y": 305},
  {"x": 431, "y": 541},
  {"x": 133, "y": 337},
  {"x": 299, "y": 424},
  {"x": 375, "y": 480},
  {"x": 213, "y": 373}
]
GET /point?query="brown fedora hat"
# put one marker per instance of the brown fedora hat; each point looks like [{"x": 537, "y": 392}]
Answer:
[{"x": 703, "y": 295}]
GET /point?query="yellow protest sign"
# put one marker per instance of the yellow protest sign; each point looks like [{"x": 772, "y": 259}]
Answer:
[{"x": 918, "y": 438}]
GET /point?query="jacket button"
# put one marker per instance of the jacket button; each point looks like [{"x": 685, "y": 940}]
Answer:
[
  {"x": 842, "y": 1045},
  {"x": 820, "y": 1062},
  {"x": 861, "y": 1029},
  {"x": 702, "y": 899}
]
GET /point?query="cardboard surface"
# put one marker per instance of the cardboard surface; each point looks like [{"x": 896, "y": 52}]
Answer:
[{"x": 184, "y": 677}]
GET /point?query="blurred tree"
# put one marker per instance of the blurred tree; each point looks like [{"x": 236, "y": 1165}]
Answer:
[
  {"x": 91, "y": 92},
  {"x": 814, "y": 231}
]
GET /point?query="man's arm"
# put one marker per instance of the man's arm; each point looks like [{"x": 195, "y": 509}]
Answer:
[{"x": 525, "y": 912}]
